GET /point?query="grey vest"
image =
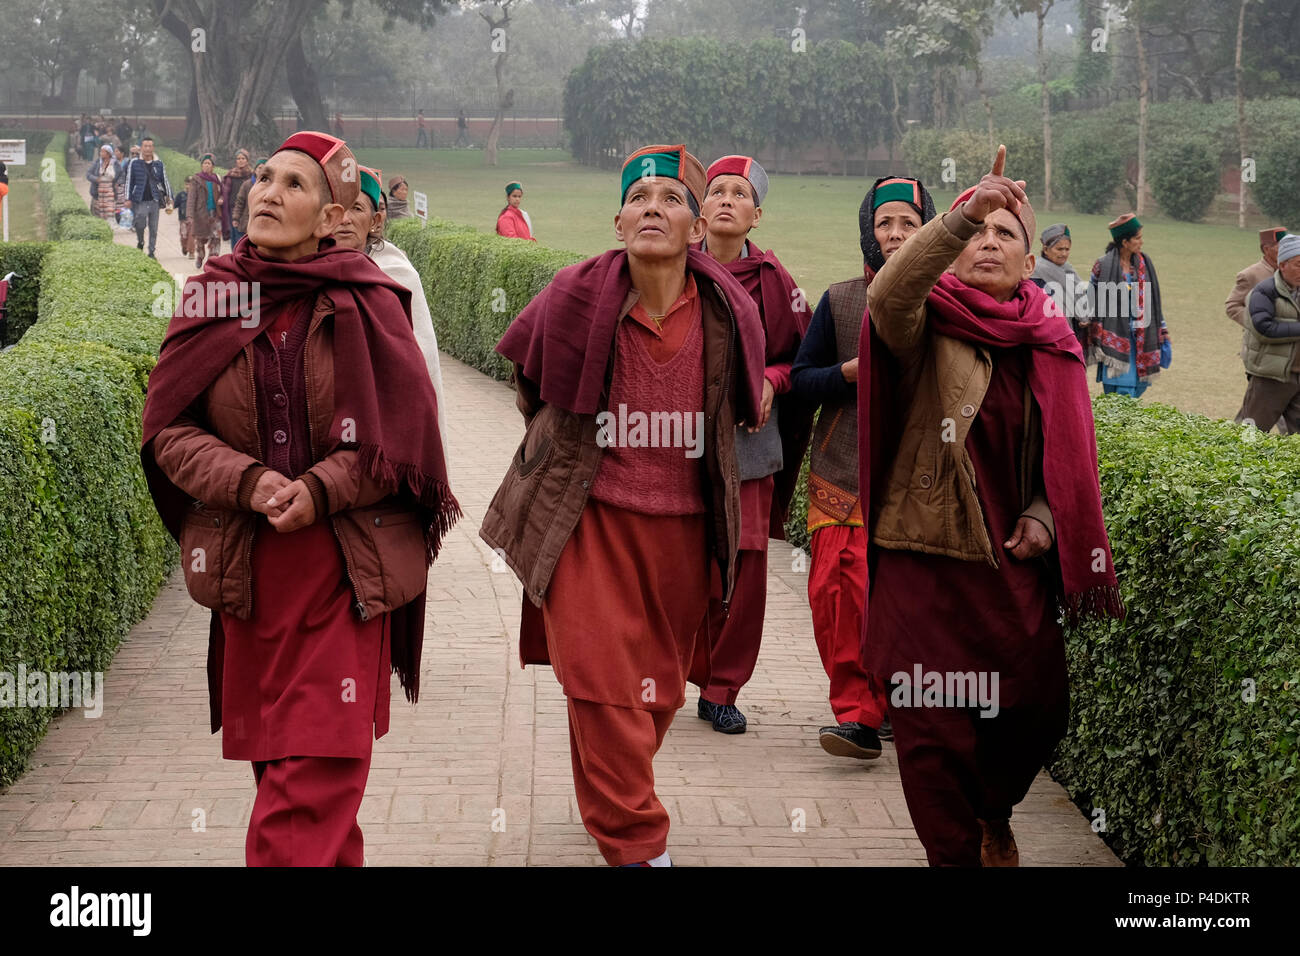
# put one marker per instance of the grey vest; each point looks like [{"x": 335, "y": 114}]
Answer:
[
  {"x": 833, "y": 468},
  {"x": 1271, "y": 358}
]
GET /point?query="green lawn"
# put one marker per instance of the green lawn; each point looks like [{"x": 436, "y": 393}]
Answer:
[
  {"x": 812, "y": 224},
  {"x": 23, "y": 221}
]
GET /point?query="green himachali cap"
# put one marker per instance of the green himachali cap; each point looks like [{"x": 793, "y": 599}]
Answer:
[{"x": 672, "y": 162}]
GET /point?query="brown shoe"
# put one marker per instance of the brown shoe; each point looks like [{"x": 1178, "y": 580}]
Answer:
[{"x": 999, "y": 846}]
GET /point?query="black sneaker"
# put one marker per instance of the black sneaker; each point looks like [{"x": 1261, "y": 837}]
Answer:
[
  {"x": 851, "y": 739},
  {"x": 705, "y": 710},
  {"x": 728, "y": 720},
  {"x": 886, "y": 731}
]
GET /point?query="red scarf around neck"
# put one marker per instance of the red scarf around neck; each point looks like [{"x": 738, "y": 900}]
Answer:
[
  {"x": 1057, "y": 382},
  {"x": 563, "y": 337}
]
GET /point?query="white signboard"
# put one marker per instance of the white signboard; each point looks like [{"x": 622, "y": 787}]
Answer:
[
  {"x": 13, "y": 152},
  {"x": 421, "y": 206}
]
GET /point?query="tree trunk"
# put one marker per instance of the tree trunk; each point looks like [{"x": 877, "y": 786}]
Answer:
[
  {"x": 505, "y": 97},
  {"x": 68, "y": 86},
  {"x": 1144, "y": 98},
  {"x": 305, "y": 86},
  {"x": 1241, "y": 120},
  {"x": 1047, "y": 109},
  {"x": 898, "y": 122},
  {"x": 235, "y": 72},
  {"x": 988, "y": 105}
]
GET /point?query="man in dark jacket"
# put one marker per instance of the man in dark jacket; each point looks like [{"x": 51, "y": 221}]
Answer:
[
  {"x": 147, "y": 189},
  {"x": 632, "y": 371},
  {"x": 1271, "y": 351}
]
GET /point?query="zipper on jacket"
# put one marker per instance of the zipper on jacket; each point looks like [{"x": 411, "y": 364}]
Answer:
[
  {"x": 261, "y": 455},
  {"x": 311, "y": 443}
]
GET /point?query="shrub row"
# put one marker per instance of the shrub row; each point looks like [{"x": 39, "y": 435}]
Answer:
[
  {"x": 1185, "y": 717},
  {"x": 82, "y": 552},
  {"x": 1095, "y": 150},
  {"x": 25, "y": 259},
  {"x": 668, "y": 90},
  {"x": 67, "y": 215},
  {"x": 476, "y": 284}
]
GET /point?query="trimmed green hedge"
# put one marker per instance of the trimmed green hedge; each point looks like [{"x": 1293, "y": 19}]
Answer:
[
  {"x": 67, "y": 215},
  {"x": 476, "y": 284},
  {"x": 24, "y": 258},
  {"x": 179, "y": 165},
  {"x": 1204, "y": 522},
  {"x": 82, "y": 552}
]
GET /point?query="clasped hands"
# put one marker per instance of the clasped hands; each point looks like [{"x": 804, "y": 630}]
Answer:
[{"x": 288, "y": 505}]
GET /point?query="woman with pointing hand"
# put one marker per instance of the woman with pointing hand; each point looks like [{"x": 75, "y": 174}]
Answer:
[{"x": 978, "y": 461}]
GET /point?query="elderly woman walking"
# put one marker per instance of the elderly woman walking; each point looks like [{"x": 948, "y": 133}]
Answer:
[
  {"x": 1129, "y": 337},
  {"x": 978, "y": 470},
  {"x": 204, "y": 212},
  {"x": 103, "y": 177},
  {"x": 240, "y": 175},
  {"x": 1054, "y": 274},
  {"x": 363, "y": 229}
]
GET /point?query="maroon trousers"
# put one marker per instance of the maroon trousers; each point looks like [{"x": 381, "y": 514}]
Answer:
[
  {"x": 305, "y": 813},
  {"x": 958, "y": 768},
  {"x": 736, "y": 639}
]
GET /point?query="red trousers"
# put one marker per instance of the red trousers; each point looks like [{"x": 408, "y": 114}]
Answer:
[
  {"x": 837, "y": 584},
  {"x": 305, "y": 813},
  {"x": 613, "y": 751},
  {"x": 958, "y": 768},
  {"x": 735, "y": 640}
]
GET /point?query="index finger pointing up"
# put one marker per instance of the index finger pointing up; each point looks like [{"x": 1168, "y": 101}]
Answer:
[{"x": 1000, "y": 161}]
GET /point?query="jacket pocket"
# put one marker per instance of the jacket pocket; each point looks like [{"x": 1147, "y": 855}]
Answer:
[
  {"x": 202, "y": 544},
  {"x": 389, "y": 563}
]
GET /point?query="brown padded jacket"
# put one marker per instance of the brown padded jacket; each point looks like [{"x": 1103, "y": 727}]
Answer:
[
  {"x": 214, "y": 453},
  {"x": 537, "y": 507}
]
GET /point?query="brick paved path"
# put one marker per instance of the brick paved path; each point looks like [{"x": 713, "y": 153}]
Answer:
[{"x": 145, "y": 783}]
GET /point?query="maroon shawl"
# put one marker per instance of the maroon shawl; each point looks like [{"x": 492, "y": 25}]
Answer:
[
  {"x": 1056, "y": 379},
  {"x": 785, "y": 320},
  {"x": 380, "y": 383},
  {"x": 564, "y": 336}
]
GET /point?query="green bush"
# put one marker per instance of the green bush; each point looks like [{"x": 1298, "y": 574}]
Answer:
[
  {"x": 476, "y": 284},
  {"x": 82, "y": 551},
  {"x": 67, "y": 215},
  {"x": 24, "y": 258},
  {"x": 951, "y": 159},
  {"x": 1089, "y": 169},
  {"x": 413, "y": 238},
  {"x": 85, "y": 227},
  {"x": 1184, "y": 177},
  {"x": 129, "y": 314},
  {"x": 1185, "y": 717},
  {"x": 1277, "y": 177}
]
